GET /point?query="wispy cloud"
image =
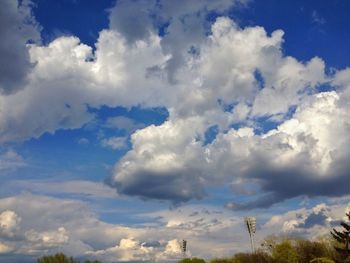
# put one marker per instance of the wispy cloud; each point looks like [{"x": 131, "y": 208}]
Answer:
[
  {"x": 317, "y": 18},
  {"x": 124, "y": 123},
  {"x": 115, "y": 143},
  {"x": 83, "y": 188},
  {"x": 10, "y": 161}
]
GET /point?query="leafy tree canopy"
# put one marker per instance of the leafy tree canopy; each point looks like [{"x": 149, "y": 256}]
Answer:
[
  {"x": 62, "y": 258},
  {"x": 192, "y": 260},
  {"x": 343, "y": 238}
]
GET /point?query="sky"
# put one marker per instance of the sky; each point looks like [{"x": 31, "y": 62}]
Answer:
[{"x": 128, "y": 126}]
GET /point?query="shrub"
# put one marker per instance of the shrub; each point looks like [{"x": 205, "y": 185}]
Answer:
[
  {"x": 258, "y": 257},
  {"x": 308, "y": 250},
  {"x": 322, "y": 260},
  {"x": 192, "y": 260},
  {"x": 223, "y": 260},
  {"x": 285, "y": 253},
  {"x": 61, "y": 258}
]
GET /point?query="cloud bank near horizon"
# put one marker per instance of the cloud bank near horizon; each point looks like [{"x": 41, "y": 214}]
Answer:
[{"x": 70, "y": 226}]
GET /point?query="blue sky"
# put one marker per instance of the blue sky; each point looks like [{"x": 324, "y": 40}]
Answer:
[{"x": 127, "y": 126}]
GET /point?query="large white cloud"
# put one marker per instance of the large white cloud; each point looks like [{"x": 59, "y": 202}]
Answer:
[
  {"x": 58, "y": 97},
  {"x": 9, "y": 223},
  {"x": 222, "y": 74},
  {"x": 120, "y": 73},
  {"x": 172, "y": 161},
  {"x": 313, "y": 222},
  {"x": 312, "y": 146}
]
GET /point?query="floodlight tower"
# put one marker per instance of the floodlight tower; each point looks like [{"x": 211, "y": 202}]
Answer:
[
  {"x": 251, "y": 225},
  {"x": 184, "y": 248}
]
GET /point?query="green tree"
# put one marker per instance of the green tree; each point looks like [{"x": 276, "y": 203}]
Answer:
[
  {"x": 57, "y": 258},
  {"x": 258, "y": 257},
  {"x": 308, "y": 250},
  {"x": 322, "y": 260},
  {"x": 192, "y": 260},
  {"x": 61, "y": 258},
  {"x": 343, "y": 238},
  {"x": 224, "y": 260},
  {"x": 285, "y": 253}
]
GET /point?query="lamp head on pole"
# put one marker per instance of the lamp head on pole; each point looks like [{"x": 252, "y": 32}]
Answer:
[
  {"x": 251, "y": 224},
  {"x": 184, "y": 246}
]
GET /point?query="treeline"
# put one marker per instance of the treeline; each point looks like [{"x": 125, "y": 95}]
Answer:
[
  {"x": 284, "y": 251},
  {"x": 62, "y": 258}
]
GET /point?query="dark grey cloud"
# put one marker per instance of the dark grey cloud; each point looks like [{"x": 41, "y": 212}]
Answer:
[
  {"x": 264, "y": 201},
  {"x": 17, "y": 28},
  {"x": 289, "y": 182},
  {"x": 195, "y": 213},
  {"x": 133, "y": 19},
  {"x": 175, "y": 186}
]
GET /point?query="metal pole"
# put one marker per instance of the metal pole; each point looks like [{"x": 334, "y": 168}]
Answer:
[
  {"x": 251, "y": 225},
  {"x": 252, "y": 242}
]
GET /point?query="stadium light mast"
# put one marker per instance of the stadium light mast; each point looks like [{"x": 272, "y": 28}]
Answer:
[
  {"x": 251, "y": 225},
  {"x": 184, "y": 248}
]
